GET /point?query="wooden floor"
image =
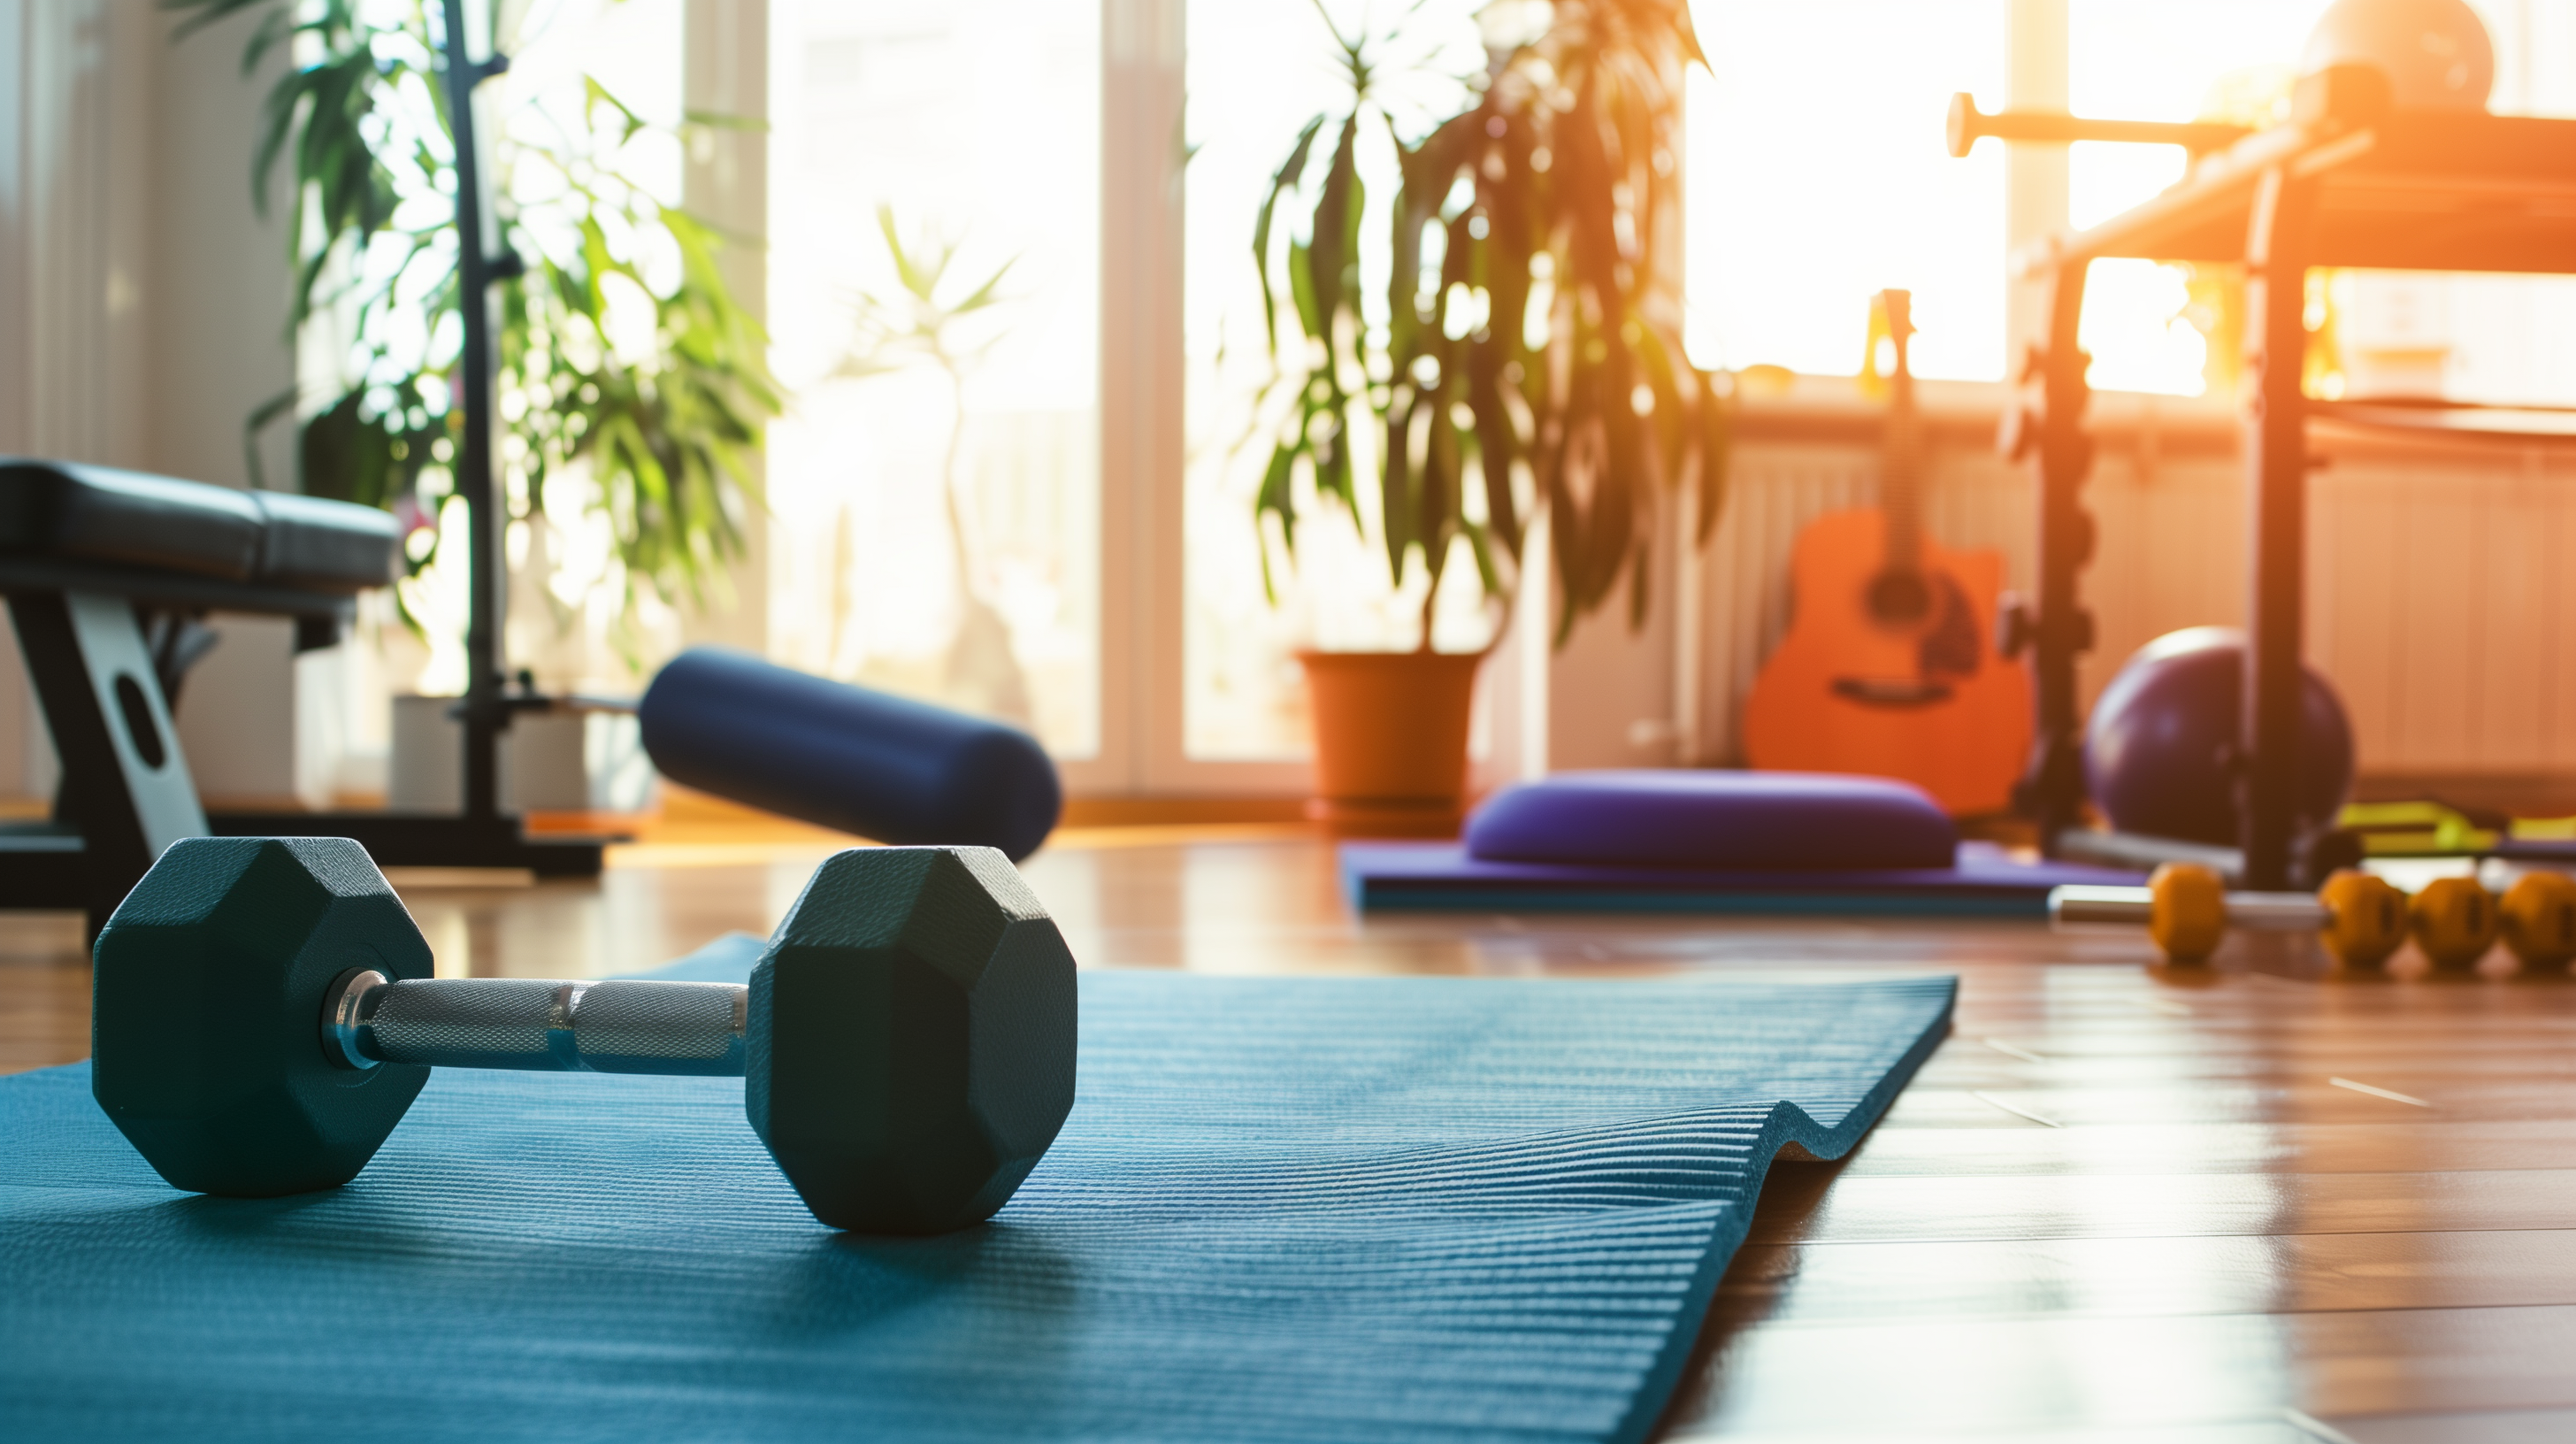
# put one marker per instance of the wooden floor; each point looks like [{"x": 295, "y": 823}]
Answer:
[{"x": 2254, "y": 1203}]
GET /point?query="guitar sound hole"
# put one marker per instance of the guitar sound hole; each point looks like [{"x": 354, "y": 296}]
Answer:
[
  {"x": 1892, "y": 691},
  {"x": 1899, "y": 596}
]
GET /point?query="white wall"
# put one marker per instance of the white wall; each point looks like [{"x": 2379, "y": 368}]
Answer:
[
  {"x": 239, "y": 720},
  {"x": 1610, "y": 688},
  {"x": 142, "y": 301},
  {"x": 217, "y": 307},
  {"x": 220, "y": 284}
]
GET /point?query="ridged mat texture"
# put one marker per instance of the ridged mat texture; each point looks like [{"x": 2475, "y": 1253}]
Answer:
[{"x": 1283, "y": 1209}]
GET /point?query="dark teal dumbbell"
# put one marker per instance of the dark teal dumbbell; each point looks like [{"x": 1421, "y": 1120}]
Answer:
[{"x": 265, "y": 1012}]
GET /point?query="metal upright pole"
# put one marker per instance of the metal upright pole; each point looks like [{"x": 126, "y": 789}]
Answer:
[
  {"x": 485, "y": 713},
  {"x": 2276, "y": 486},
  {"x": 2051, "y": 792}
]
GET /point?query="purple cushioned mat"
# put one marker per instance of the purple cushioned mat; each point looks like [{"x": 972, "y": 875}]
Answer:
[
  {"x": 1703, "y": 818},
  {"x": 1440, "y": 876}
]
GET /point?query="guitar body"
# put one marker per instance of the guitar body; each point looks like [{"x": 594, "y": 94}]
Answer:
[{"x": 1925, "y": 700}]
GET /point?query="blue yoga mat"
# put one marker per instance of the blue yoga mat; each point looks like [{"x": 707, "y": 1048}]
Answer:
[{"x": 1377, "y": 1209}]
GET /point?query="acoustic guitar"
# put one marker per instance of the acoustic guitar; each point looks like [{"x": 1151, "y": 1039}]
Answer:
[{"x": 1887, "y": 667}]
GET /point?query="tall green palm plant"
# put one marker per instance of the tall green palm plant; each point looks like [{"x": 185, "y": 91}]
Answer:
[
  {"x": 620, "y": 345},
  {"x": 1534, "y": 332}
]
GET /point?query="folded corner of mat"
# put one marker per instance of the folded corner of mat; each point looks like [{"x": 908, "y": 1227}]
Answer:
[{"x": 1350, "y": 1209}]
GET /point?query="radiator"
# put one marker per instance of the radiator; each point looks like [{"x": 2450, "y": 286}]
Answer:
[{"x": 2434, "y": 604}]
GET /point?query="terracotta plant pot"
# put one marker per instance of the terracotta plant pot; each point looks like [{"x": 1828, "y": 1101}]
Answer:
[{"x": 1390, "y": 740}]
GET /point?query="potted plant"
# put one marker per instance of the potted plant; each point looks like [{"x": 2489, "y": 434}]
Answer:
[
  {"x": 621, "y": 351},
  {"x": 1530, "y": 359}
]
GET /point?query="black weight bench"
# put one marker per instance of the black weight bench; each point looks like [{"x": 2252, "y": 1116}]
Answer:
[{"x": 108, "y": 575}]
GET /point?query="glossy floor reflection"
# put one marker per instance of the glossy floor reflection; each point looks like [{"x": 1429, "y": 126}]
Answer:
[{"x": 2253, "y": 1202}]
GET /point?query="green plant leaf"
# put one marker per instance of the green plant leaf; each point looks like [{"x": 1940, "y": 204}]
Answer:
[
  {"x": 1301, "y": 293},
  {"x": 1282, "y": 181},
  {"x": 1715, "y": 417},
  {"x": 1437, "y": 509},
  {"x": 1565, "y": 149},
  {"x": 1397, "y": 504},
  {"x": 1330, "y": 244}
]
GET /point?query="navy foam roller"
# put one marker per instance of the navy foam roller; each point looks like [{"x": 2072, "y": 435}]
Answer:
[{"x": 824, "y": 752}]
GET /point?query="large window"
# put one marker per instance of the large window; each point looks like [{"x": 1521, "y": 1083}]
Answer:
[
  {"x": 923, "y": 513},
  {"x": 940, "y": 514},
  {"x": 935, "y": 483},
  {"x": 1817, "y": 178},
  {"x": 1812, "y": 185},
  {"x": 2189, "y": 60},
  {"x": 2491, "y": 338}
]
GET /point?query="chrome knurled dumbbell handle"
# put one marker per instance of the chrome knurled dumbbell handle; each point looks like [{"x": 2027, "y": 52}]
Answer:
[
  {"x": 534, "y": 1023},
  {"x": 2287, "y": 912}
]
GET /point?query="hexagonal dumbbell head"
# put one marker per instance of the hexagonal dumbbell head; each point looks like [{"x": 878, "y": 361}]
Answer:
[
  {"x": 911, "y": 1041},
  {"x": 205, "y": 1015}
]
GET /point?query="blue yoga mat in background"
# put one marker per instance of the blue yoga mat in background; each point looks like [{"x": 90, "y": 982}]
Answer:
[
  {"x": 1283, "y": 1209},
  {"x": 1984, "y": 881}
]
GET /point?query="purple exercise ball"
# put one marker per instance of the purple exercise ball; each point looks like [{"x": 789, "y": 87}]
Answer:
[
  {"x": 2435, "y": 52},
  {"x": 2156, "y": 748}
]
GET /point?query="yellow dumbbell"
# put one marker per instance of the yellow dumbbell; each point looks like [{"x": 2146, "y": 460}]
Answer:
[
  {"x": 2359, "y": 918},
  {"x": 2368, "y": 917},
  {"x": 2454, "y": 921},
  {"x": 2187, "y": 909},
  {"x": 2538, "y": 916}
]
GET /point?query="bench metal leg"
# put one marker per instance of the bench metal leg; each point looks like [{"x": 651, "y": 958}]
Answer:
[
  {"x": 125, "y": 781},
  {"x": 2276, "y": 496},
  {"x": 127, "y": 792}
]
